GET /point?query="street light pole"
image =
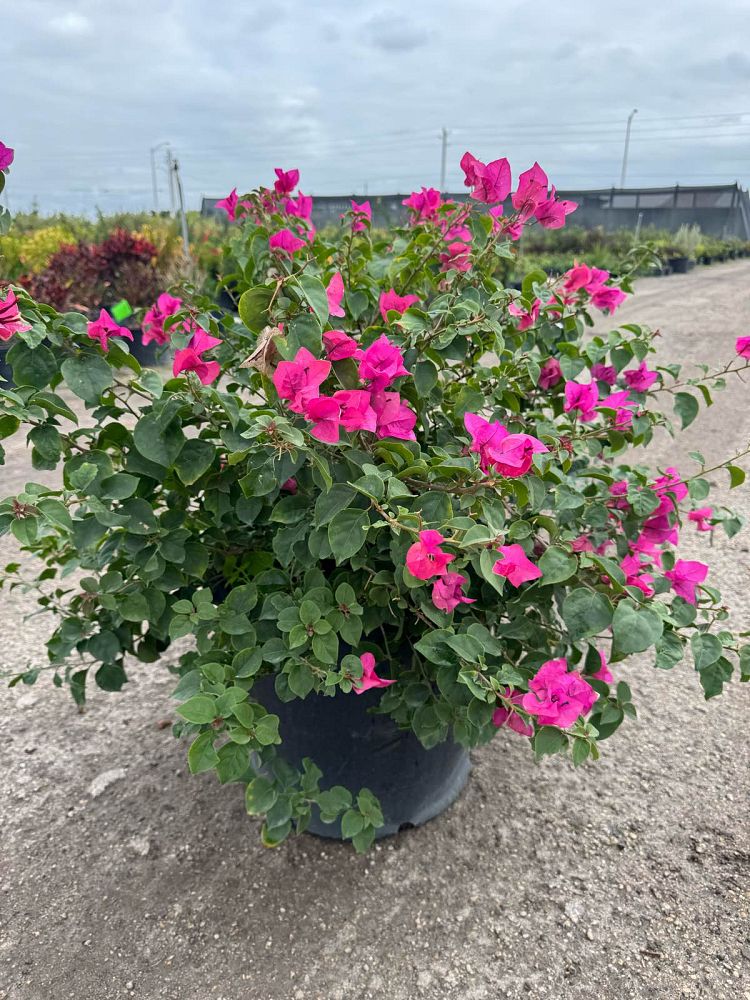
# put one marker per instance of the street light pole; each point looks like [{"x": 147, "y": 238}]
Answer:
[
  {"x": 631, "y": 116},
  {"x": 443, "y": 157}
]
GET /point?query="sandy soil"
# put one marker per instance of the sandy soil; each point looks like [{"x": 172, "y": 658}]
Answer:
[{"x": 121, "y": 875}]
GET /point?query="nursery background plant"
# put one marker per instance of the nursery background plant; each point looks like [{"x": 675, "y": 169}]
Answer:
[{"x": 433, "y": 498}]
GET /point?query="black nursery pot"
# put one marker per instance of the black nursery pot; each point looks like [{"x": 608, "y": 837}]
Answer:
[
  {"x": 358, "y": 750},
  {"x": 679, "y": 265}
]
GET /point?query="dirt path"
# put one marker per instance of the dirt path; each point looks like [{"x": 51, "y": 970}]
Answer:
[{"x": 626, "y": 879}]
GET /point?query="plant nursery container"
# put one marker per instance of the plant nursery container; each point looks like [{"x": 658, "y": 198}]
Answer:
[{"x": 358, "y": 749}]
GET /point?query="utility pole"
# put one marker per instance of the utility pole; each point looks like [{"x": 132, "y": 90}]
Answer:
[
  {"x": 183, "y": 217},
  {"x": 170, "y": 174},
  {"x": 631, "y": 116},
  {"x": 154, "y": 183},
  {"x": 443, "y": 156}
]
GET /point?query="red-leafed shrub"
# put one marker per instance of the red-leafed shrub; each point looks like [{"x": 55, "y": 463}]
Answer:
[{"x": 92, "y": 275}]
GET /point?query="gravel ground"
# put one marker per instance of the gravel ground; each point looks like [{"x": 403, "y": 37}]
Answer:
[{"x": 122, "y": 875}]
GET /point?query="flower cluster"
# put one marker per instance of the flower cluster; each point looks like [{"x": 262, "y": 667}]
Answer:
[{"x": 368, "y": 408}]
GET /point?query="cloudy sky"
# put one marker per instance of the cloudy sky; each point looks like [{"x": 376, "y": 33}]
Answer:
[{"x": 355, "y": 93}]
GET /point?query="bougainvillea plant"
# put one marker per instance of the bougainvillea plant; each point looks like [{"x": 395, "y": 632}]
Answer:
[{"x": 383, "y": 469}]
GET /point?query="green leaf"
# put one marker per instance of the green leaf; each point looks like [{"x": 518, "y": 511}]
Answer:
[
  {"x": 326, "y": 647},
  {"x": 549, "y": 740},
  {"x": 352, "y": 823},
  {"x": 347, "y": 533},
  {"x": 425, "y": 377},
  {"x": 195, "y": 458},
  {"x": 586, "y": 613},
  {"x": 158, "y": 444},
  {"x": 199, "y": 709},
  {"x": 87, "y": 376},
  {"x": 233, "y": 763},
  {"x": 634, "y": 628},
  {"x": 557, "y": 565},
  {"x": 267, "y": 730},
  {"x": 736, "y": 476},
  {"x": 201, "y": 755},
  {"x": 686, "y": 407},
  {"x": 714, "y": 677},
  {"x": 315, "y": 294},
  {"x": 329, "y": 504},
  {"x": 120, "y": 486},
  {"x": 300, "y": 680},
  {"x": 133, "y": 607},
  {"x": 32, "y": 366},
  {"x": 253, "y": 307},
  {"x": 260, "y": 796},
  {"x": 706, "y": 649}
]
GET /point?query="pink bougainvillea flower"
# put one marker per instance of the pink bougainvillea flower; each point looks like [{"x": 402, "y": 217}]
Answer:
[
  {"x": 513, "y": 454},
  {"x": 531, "y": 192},
  {"x": 457, "y": 256},
  {"x": 527, "y": 319},
  {"x": 619, "y": 402},
  {"x": 285, "y": 241},
  {"x": 6, "y": 156},
  {"x": 635, "y": 576},
  {"x": 357, "y": 413},
  {"x": 335, "y": 293},
  {"x": 394, "y": 418},
  {"x": 608, "y": 298},
  {"x": 340, "y": 345},
  {"x": 447, "y": 592},
  {"x": 515, "y": 566},
  {"x": 685, "y": 577},
  {"x": 742, "y": 346},
  {"x": 424, "y": 204},
  {"x": 369, "y": 678},
  {"x": 104, "y": 328},
  {"x": 550, "y": 373},
  {"x": 490, "y": 182},
  {"x": 603, "y": 673},
  {"x": 551, "y": 212},
  {"x": 391, "y": 302},
  {"x": 581, "y": 398},
  {"x": 658, "y": 530},
  {"x": 701, "y": 517},
  {"x": 604, "y": 373},
  {"x": 582, "y": 544},
  {"x": 299, "y": 380},
  {"x": 503, "y": 716},
  {"x": 10, "y": 317},
  {"x": 325, "y": 414},
  {"x": 362, "y": 215},
  {"x": 483, "y": 434},
  {"x": 557, "y": 696},
  {"x": 471, "y": 167},
  {"x": 300, "y": 207},
  {"x": 190, "y": 358},
  {"x": 290, "y": 485},
  {"x": 577, "y": 277},
  {"x": 153, "y": 321},
  {"x": 670, "y": 482},
  {"x": 640, "y": 379},
  {"x": 229, "y": 204},
  {"x": 425, "y": 558},
  {"x": 286, "y": 180},
  {"x": 381, "y": 363}
]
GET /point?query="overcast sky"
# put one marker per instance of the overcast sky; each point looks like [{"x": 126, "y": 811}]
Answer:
[{"x": 354, "y": 94}]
